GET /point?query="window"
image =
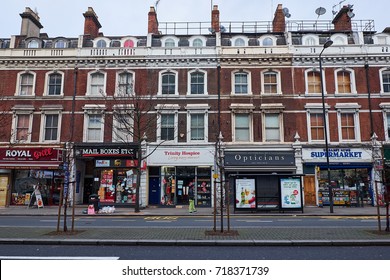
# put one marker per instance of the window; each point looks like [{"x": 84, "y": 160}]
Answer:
[
  {"x": 197, "y": 83},
  {"x": 26, "y": 85},
  {"x": 388, "y": 126},
  {"x": 272, "y": 127},
  {"x": 239, "y": 42},
  {"x": 197, "y": 126},
  {"x": 51, "y": 127},
  {"x": 386, "y": 81},
  {"x": 241, "y": 127},
  {"x": 197, "y": 43},
  {"x": 241, "y": 83},
  {"x": 168, "y": 83},
  {"x": 125, "y": 83},
  {"x": 96, "y": 85},
  {"x": 101, "y": 43},
  {"x": 60, "y": 44},
  {"x": 123, "y": 126},
  {"x": 22, "y": 127},
  {"x": 33, "y": 44},
  {"x": 167, "y": 127},
  {"x": 317, "y": 127},
  {"x": 347, "y": 126},
  {"x": 313, "y": 80},
  {"x": 94, "y": 128},
  {"x": 129, "y": 44},
  {"x": 268, "y": 42},
  {"x": 270, "y": 82},
  {"x": 169, "y": 43},
  {"x": 344, "y": 82},
  {"x": 55, "y": 84}
]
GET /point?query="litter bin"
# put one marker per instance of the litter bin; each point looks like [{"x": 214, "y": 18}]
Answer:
[{"x": 95, "y": 201}]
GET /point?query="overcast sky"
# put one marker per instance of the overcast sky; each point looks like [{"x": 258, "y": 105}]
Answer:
[{"x": 129, "y": 17}]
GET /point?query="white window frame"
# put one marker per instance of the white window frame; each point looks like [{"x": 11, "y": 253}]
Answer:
[
  {"x": 339, "y": 39},
  {"x": 118, "y": 134},
  {"x": 199, "y": 109},
  {"x": 189, "y": 82},
  {"x": 34, "y": 44},
  {"x": 176, "y": 93},
  {"x": 272, "y": 108},
  {"x": 117, "y": 88},
  {"x": 193, "y": 39},
  {"x": 386, "y": 124},
  {"x": 310, "y": 40},
  {"x": 236, "y": 39},
  {"x": 167, "y": 109},
  {"x": 18, "y": 84},
  {"x": 263, "y": 38},
  {"x": 381, "y": 71},
  {"x": 316, "y": 108},
  {"x": 47, "y": 111},
  {"x": 47, "y": 83},
  {"x": 348, "y": 108},
  {"x": 98, "y": 40},
  {"x": 249, "y": 82},
  {"x": 167, "y": 39},
  {"x": 123, "y": 41},
  {"x": 60, "y": 44},
  {"x": 21, "y": 111},
  {"x": 278, "y": 82},
  {"x": 307, "y": 71},
  {"x": 89, "y": 91},
  {"x": 241, "y": 109},
  {"x": 93, "y": 110},
  {"x": 352, "y": 81}
]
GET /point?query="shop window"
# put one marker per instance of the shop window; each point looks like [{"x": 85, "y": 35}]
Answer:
[
  {"x": 51, "y": 127},
  {"x": 388, "y": 126}
]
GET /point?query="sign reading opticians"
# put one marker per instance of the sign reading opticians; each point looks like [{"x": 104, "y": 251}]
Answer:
[
  {"x": 337, "y": 154},
  {"x": 259, "y": 158}
]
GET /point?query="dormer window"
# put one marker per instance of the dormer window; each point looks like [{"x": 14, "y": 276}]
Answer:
[
  {"x": 60, "y": 44},
  {"x": 197, "y": 43},
  {"x": 239, "y": 42},
  {"x": 129, "y": 44},
  {"x": 169, "y": 43},
  {"x": 33, "y": 44}
]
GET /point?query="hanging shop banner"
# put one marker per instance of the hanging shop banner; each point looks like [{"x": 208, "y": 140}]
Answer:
[
  {"x": 291, "y": 192},
  {"x": 245, "y": 193}
]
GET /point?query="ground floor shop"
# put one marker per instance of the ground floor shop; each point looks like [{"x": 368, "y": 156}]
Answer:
[
  {"x": 263, "y": 180},
  {"x": 351, "y": 177},
  {"x": 28, "y": 173},
  {"x": 172, "y": 171}
]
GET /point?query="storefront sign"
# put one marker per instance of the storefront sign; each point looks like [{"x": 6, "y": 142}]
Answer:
[
  {"x": 259, "y": 158},
  {"x": 182, "y": 156},
  {"x": 105, "y": 152},
  {"x": 337, "y": 154},
  {"x": 290, "y": 190},
  {"x": 30, "y": 157}
]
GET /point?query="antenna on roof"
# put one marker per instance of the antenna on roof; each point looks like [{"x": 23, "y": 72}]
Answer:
[
  {"x": 319, "y": 11},
  {"x": 286, "y": 12},
  {"x": 155, "y": 5}
]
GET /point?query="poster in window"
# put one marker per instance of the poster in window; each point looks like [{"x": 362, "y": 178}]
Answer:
[
  {"x": 245, "y": 193},
  {"x": 291, "y": 192}
]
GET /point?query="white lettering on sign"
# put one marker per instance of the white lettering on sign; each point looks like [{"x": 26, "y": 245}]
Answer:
[{"x": 17, "y": 153}]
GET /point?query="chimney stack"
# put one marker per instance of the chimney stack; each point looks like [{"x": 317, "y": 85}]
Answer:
[
  {"x": 91, "y": 23},
  {"x": 279, "y": 22},
  {"x": 152, "y": 21},
  {"x": 342, "y": 21},
  {"x": 31, "y": 26},
  {"x": 215, "y": 26}
]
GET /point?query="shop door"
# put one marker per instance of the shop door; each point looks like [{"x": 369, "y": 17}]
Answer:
[
  {"x": 154, "y": 190},
  {"x": 310, "y": 190},
  {"x": 3, "y": 190}
]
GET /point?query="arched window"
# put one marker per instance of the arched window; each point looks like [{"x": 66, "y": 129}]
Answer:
[
  {"x": 101, "y": 44},
  {"x": 60, "y": 44},
  {"x": 26, "y": 84},
  {"x": 169, "y": 43},
  {"x": 313, "y": 82},
  {"x": 168, "y": 83},
  {"x": 268, "y": 41},
  {"x": 239, "y": 42},
  {"x": 197, "y": 43},
  {"x": 344, "y": 82},
  {"x": 129, "y": 44},
  {"x": 125, "y": 83},
  {"x": 33, "y": 44}
]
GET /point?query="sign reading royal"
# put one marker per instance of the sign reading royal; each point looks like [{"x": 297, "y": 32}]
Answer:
[
  {"x": 259, "y": 158},
  {"x": 29, "y": 154},
  {"x": 336, "y": 154}
]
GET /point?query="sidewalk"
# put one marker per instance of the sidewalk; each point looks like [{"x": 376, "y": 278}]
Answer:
[{"x": 265, "y": 236}]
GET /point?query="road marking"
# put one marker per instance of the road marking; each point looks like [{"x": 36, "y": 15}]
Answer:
[
  {"x": 123, "y": 220},
  {"x": 161, "y": 218},
  {"x": 289, "y": 220},
  {"x": 255, "y": 221},
  {"x": 55, "y": 258}
]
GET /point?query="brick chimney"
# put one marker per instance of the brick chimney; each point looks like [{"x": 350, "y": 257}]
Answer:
[
  {"x": 31, "y": 26},
  {"x": 342, "y": 22},
  {"x": 91, "y": 23},
  {"x": 279, "y": 22},
  {"x": 215, "y": 19},
  {"x": 152, "y": 21}
]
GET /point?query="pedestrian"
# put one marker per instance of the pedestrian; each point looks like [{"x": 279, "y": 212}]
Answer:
[{"x": 191, "y": 198}]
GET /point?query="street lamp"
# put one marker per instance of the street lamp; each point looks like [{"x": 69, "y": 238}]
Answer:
[{"x": 327, "y": 44}]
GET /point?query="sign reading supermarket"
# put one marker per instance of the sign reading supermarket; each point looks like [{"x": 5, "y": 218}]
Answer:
[{"x": 336, "y": 154}]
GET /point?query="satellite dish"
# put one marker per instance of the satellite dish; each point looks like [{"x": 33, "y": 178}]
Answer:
[
  {"x": 286, "y": 12},
  {"x": 222, "y": 28},
  {"x": 350, "y": 14},
  {"x": 320, "y": 11}
]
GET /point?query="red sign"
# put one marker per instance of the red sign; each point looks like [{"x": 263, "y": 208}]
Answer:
[{"x": 34, "y": 158}]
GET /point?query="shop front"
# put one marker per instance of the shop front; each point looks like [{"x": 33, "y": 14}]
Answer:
[
  {"x": 350, "y": 175},
  {"x": 25, "y": 172},
  {"x": 109, "y": 172},
  {"x": 263, "y": 180},
  {"x": 174, "y": 170}
]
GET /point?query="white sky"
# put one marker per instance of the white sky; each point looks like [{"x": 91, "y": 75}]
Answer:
[{"x": 129, "y": 17}]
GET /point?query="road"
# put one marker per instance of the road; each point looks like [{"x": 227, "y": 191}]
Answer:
[{"x": 193, "y": 221}]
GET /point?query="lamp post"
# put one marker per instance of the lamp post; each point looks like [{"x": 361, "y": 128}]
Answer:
[{"x": 327, "y": 44}]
